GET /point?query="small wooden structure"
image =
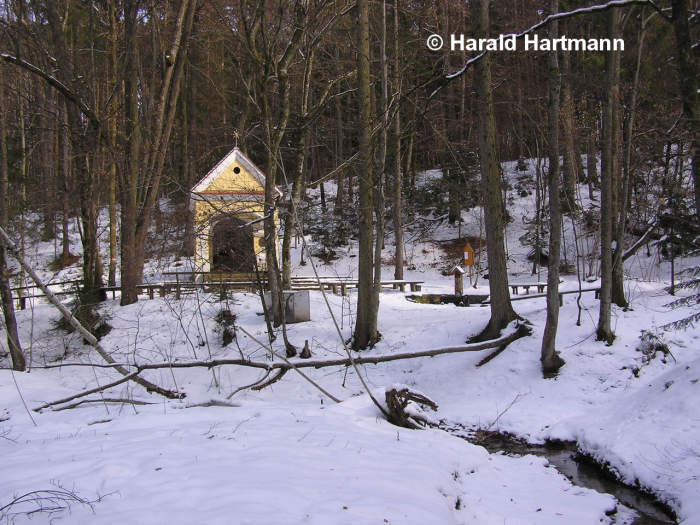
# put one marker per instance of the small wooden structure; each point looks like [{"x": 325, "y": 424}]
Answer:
[
  {"x": 228, "y": 208},
  {"x": 458, "y": 272}
]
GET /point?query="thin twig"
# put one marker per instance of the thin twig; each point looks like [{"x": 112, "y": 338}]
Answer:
[{"x": 291, "y": 365}]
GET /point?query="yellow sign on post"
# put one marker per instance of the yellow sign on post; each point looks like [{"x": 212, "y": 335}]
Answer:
[{"x": 468, "y": 255}]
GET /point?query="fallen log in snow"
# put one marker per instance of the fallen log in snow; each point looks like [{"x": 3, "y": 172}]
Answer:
[{"x": 518, "y": 331}]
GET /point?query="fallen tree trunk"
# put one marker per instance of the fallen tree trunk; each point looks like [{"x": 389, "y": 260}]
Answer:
[
  {"x": 91, "y": 339},
  {"x": 520, "y": 330}
]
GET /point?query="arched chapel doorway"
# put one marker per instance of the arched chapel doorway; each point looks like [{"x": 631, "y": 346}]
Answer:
[{"x": 232, "y": 246}]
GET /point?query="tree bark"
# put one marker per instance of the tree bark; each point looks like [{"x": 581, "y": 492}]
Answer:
[
  {"x": 339, "y": 206},
  {"x": 380, "y": 180},
  {"x": 129, "y": 181},
  {"x": 571, "y": 162},
  {"x": 365, "y": 333},
  {"x": 8, "y": 308},
  {"x": 688, "y": 80},
  {"x": 297, "y": 180},
  {"x": 397, "y": 207},
  {"x": 551, "y": 361},
  {"x": 618, "y": 289},
  {"x": 591, "y": 161},
  {"x": 64, "y": 165},
  {"x": 501, "y": 309},
  {"x": 145, "y": 159},
  {"x": 84, "y": 129},
  {"x": 189, "y": 112},
  {"x": 113, "y": 128},
  {"x": 607, "y": 176}
]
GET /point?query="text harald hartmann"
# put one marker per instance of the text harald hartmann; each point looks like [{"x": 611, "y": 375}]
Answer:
[{"x": 534, "y": 43}]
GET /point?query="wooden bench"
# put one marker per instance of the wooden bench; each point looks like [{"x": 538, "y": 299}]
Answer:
[
  {"x": 401, "y": 284},
  {"x": 343, "y": 285},
  {"x": 540, "y": 287},
  {"x": 561, "y": 295},
  {"x": 298, "y": 283}
]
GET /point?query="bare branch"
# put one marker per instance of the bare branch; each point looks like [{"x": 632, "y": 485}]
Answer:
[
  {"x": 645, "y": 236},
  {"x": 341, "y": 167},
  {"x": 89, "y": 337},
  {"x": 84, "y": 393},
  {"x": 56, "y": 84},
  {"x": 598, "y": 8}
]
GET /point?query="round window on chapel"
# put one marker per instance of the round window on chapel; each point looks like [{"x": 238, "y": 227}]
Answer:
[{"x": 236, "y": 170}]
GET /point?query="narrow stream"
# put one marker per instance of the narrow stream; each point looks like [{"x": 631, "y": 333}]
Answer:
[{"x": 579, "y": 469}]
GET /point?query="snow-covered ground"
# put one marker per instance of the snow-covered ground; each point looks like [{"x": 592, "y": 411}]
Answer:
[{"x": 288, "y": 454}]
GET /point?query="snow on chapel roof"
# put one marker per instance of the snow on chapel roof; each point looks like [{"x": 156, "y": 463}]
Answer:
[{"x": 235, "y": 156}]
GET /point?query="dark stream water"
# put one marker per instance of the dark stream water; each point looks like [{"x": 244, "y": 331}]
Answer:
[{"x": 580, "y": 470}]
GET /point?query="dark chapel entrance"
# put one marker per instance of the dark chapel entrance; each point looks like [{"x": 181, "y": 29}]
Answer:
[{"x": 232, "y": 246}]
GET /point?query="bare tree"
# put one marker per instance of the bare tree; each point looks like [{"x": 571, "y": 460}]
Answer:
[
  {"x": 687, "y": 67},
  {"x": 148, "y": 136},
  {"x": 609, "y": 165},
  {"x": 397, "y": 204},
  {"x": 366, "y": 321},
  {"x": 501, "y": 309},
  {"x": 18, "y": 361},
  {"x": 551, "y": 361}
]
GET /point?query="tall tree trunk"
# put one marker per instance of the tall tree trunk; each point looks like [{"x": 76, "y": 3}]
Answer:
[
  {"x": 64, "y": 171},
  {"x": 379, "y": 208},
  {"x": 339, "y": 206},
  {"x": 274, "y": 139},
  {"x": 297, "y": 192},
  {"x": 551, "y": 361},
  {"x": 501, "y": 309},
  {"x": 689, "y": 93},
  {"x": 297, "y": 180},
  {"x": 146, "y": 159},
  {"x": 130, "y": 177},
  {"x": 84, "y": 139},
  {"x": 89, "y": 202},
  {"x": 189, "y": 109},
  {"x": 618, "y": 289},
  {"x": 275, "y": 127},
  {"x": 22, "y": 197},
  {"x": 114, "y": 65},
  {"x": 408, "y": 166},
  {"x": 519, "y": 122},
  {"x": 47, "y": 168},
  {"x": 607, "y": 177},
  {"x": 13, "y": 342},
  {"x": 365, "y": 333},
  {"x": 591, "y": 161},
  {"x": 536, "y": 260},
  {"x": 397, "y": 207},
  {"x": 571, "y": 162}
]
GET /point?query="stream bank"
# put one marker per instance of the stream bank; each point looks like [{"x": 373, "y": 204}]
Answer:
[{"x": 581, "y": 469}]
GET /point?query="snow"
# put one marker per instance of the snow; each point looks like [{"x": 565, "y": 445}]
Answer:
[
  {"x": 664, "y": 405},
  {"x": 263, "y": 463},
  {"x": 287, "y": 454}
]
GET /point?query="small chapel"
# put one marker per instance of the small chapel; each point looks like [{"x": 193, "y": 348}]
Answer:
[{"x": 228, "y": 208}]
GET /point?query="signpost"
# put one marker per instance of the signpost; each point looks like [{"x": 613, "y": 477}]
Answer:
[{"x": 469, "y": 259}]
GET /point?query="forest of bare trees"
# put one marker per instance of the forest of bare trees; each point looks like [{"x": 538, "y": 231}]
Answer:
[{"x": 121, "y": 104}]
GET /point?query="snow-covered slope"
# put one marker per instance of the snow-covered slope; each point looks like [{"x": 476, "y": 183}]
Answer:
[{"x": 287, "y": 454}]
